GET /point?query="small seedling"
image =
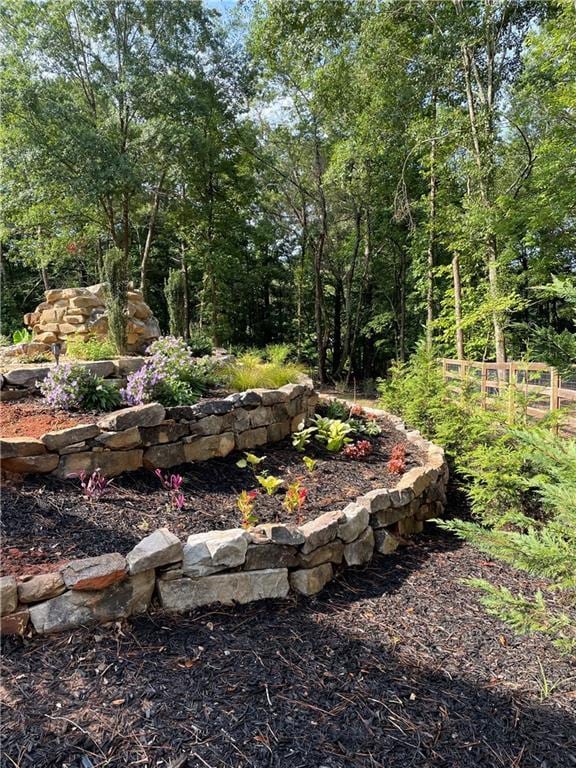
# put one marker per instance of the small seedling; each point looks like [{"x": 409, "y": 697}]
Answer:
[
  {"x": 270, "y": 483},
  {"x": 172, "y": 484},
  {"x": 295, "y": 499},
  {"x": 245, "y": 503},
  {"x": 251, "y": 460},
  {"x": 309, "y": 463},
  {"x": 302, "y": 437},
  {"x": 94, "y": 486}
]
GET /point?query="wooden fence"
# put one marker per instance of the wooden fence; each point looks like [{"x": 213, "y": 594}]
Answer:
[{"x": 542, "y": 390}]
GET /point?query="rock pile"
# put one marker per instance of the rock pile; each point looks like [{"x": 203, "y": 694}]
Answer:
[{"x": 81, "y": 312}]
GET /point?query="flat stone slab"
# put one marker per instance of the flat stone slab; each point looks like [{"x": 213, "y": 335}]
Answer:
[
  {"x": 161, "y": 547},
  {"x": 128, "y": 438},
  {"x": 389, "y": 516},
  {"x": 213, "y": 551},
  {"x": 75, "y": 609},
  {"x": 111, "y": 463},
  {"x": 356, "y": 521},
  {"x": 15, "y": 623},
  {"x": 33, "y": 589},
  {"x": 278, "y": 533},
  {"x": 360, "y": 551},
  {"x": 164, "y": 456},
  {"x": 226, "y": 588},
  {"x": 8, "y": 595},
  {"x": 211, "y": 447},
  {"x": 94, "y": 573},
  {"x": 25, "y": 465},
  {"x": 26, "y": 377},
  {"x": 15, "y": 447},
  {"x": 321, "y": 530},
  {"x": 261, "y": 556},
  {"x": 148, "y": 415},
  {"x": 329, "y": 553},
  {"x": 61, "y": 438},
  {"x": 310, "y": 581}
]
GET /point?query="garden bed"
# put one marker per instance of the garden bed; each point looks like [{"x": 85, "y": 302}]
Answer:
[
  {"x": 33, "y": 417},
  {"x": 49, "y": 521}
]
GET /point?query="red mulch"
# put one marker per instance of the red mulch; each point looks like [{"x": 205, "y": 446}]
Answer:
[{"x": 32, "y": 417}]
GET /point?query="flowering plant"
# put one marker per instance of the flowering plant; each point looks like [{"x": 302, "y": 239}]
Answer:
[
  {"x": 397, "y": 463},
  {"x": 358, "y": 450},
  {"x": 295, "y": 498},
  {"x": 172, "y": 484},
  {"x": 245, "y": 503},
  {"x": 61, "y": 387}
]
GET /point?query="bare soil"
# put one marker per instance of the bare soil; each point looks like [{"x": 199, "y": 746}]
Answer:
[{"x": 32, "y": 417}]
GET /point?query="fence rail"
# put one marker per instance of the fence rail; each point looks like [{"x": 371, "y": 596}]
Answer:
[{"x": 544, "y": 390}]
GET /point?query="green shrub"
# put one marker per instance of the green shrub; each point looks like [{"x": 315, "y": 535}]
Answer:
[
  {"x": 199, "y": 343},
  {"x": 92, "y": 348},
  {"x": 21, "y": 336},
  {"x": 97, "y": 394},
  {"x": 277, "y": 353},
  {"x": 338, "y": 409},
  {"x": 174, "y": 291}
]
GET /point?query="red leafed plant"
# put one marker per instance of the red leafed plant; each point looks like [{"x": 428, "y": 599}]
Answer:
[
  {"x": 172, "y": 484},
  {"x": 356, "y": 410},
  {"x": 397, "y": 463},
  {"x": 94, "y": 486},
  {"x": 295, "y": 499},
  {"x": 245, "y": 503},
  {"x": 358, "y": 450}
]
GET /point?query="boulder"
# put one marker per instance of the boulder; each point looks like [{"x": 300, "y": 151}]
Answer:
[
  {"x": 212, "y": 425},
  {"x": 8, "y": 595},
  {"x": 418, "y": 479},
  {"x": 110, "y": 463},
  {"x": 361, "y": 550},
  {"x": 209, "y": 447},
  {"x": 61, "y": 438},
  {"x": 36, "y": 465},
  {"x": 75, "y": 609},
  {"x": 226, "y": 588},
  {"x": 272, "y": 396},
  {"x": 321, "y": 530},
  {"x": 309, "y": 581},
  {"x": 159, "y": 548},
  {"x": 94, "y": 573},
  {"x": 126, "y": 365},
  {"x": 33, "y": 589},
  {"x": 15, "y": 447},
  {"x": 377, "y": 500},
  {"x": 129, "y": 438},
  {"x": 26, "y": 377},
  {"x": 213, "y": 551},
  {"x": 329, "y": 553},
  {"x": 148, "y": 415},
  {"x": 103, "y": 368},
  {"x": 356, "y": 521},
  {"x": 278, "y": 533},
  {"x": 385, "y": 542},
  {"x": 163, "y": 456}
]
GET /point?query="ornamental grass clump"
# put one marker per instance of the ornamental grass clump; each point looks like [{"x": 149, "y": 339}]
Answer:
[{"x": 250, "y": 371}]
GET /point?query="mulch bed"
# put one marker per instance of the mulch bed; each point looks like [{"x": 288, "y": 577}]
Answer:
[
  {"x": 49, "y": 521},
  {"x": 32, "y": 417},
  {"x": 392, "y": 666}
]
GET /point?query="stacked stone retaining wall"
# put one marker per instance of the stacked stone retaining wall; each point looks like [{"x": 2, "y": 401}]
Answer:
[{"x": 231, "y": 566}]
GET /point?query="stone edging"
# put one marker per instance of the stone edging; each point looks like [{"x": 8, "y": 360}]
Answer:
[
  {"x": 153, "y": 436},
  {"x": 232, "y": 566}
]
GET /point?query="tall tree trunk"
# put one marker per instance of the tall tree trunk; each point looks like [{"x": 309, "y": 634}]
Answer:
[
  {"x": 321, "y": 337},
  {"x": 431, "y": 235},
  {"x": 185, "y": 292},
  {"x": 402, "y": 307},
  {"x": 458, "y": 307},
  {"x": 150, "y": 235},
  {"x": 337, "y": 343},
  {"x": 348, "y": 295},
  {"x": 300, "y": 279}
]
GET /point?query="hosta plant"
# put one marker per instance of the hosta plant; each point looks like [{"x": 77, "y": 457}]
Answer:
[
  {"x": 302, "y": 437},
  {"x": 309, "y": 463},
  {"x": 270, "y": 483},
  {"x": 333, "y": 433}
]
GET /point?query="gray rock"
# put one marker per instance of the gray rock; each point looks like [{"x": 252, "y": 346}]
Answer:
[
  {"x": 272, "y": 396},
  {"x": 15, "y": 447},
  {"x": 213, "y": 551},
  {"x": 33, "y": 589},
  {"x": 129, "y": 438},
  {"x": 361, "y": 550},
  {"x": 76, "y": 609},
  {"x": 321, "y": 530},
  {"x": 26, "y": 377},
  {"x": 125, "y": 365},
  {"x": 110, "y": 463},
  {"x": 168, "y": 455},
  {"x": 260, "y": 417},
  {"x": 75, "y": 448},
  {"x": 148, "y": 415},
  {"x": 389, "y": 516},
  {"x": 309, "y": 581},
  {"x": 8, "y": 595},
  {"x": 226, "y": 588},
  {"x": 159, "y": 548},
  {"x": 278, "y": 431},
  {"x": 35, "y": 465},
  {"x": 418, "y": 479},
  {"x": 94, "y": 573},
  {"x": 329, "y": 553},
  {"x": 203, "y": 448},
  {"x": 183, "y": 412},
  {"x": 401, "y": 496},
  {"x": 357, "y": 519},
  {"x": 385, "y": 542},
  {"x": 409, "y": 526},
  {"x": 167, "y": 432},
  {"x": 377, "y": 500},
  {"x": 278, "y": 533},
  {"x": 214, "y": 407},
  {"x": 261, "y": 556},
  {"x": 212, "y": 425},
  {"x": 103, "y": 368},
  {"x": 251, "y": 438}
]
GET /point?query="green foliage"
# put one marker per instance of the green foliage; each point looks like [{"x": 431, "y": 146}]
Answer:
[
  {"x": 277, "y": 353},
  {"x": 35, "y": 357},
  {"x": 332, "y": 432},
  {"x": 521, "y": 482},
  {"x": 365, "y": 427},
  {"x": 116, "y": 271},
  {"x": 22, "y": 336},
  {"x": 96, "y": 394},
  {"x": 250, "y": 459},
  {"x": 174, "y": 291},
  {"x": 199, "y": 343},
  {"x": 301, "y": 438},
  {"x": 270, "y": 483},
  {"x": 338, "y": 409},
  {"x": 92, "y": 348},
  {"x": 309, "y": 463},
  {"x": 249, "y": 372}
]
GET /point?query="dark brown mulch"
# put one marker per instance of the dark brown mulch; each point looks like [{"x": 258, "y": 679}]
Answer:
[
  {"x": 394, "y": 666},
  {"x": 49, "y": 521}
]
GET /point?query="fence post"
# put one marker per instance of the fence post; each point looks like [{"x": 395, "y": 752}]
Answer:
[
  {"x": 511, "y": 391},
  {"x": 554, "y": 393},
  {"x": 483, "y": 385}
]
